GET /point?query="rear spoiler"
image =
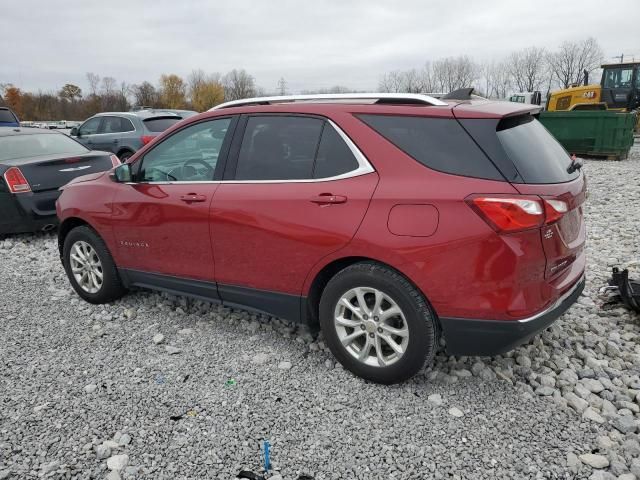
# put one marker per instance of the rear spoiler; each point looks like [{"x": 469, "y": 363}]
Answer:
[{"x": 162, "y": 117}]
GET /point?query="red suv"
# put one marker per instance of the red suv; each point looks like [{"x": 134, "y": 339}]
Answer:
[{"x": 388, "y": 219}]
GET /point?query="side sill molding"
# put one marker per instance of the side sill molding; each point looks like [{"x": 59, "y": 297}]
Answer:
[{"x": 277, "y": 304}]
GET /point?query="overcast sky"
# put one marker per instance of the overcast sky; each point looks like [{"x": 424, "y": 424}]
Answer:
[{"x": 47, "y": 43}]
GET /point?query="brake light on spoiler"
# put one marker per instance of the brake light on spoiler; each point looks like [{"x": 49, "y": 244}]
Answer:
[
  {"x": 16, "y": 181},
  {"x": 515, "y": 213}
]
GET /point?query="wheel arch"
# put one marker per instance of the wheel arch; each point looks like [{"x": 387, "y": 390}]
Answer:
[
  {"x": 321, "y": 279},
  {"x": 66, "y": 226},
  {"x": 125, "y": 149}
]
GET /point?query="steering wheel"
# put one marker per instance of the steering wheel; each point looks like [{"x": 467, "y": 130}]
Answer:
[
  {"x": 181, "y": 171},
  {"x": 199, "y": 161}
]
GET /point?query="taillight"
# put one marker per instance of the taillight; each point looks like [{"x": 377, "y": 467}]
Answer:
[
  {"x": 514, "y": 214},
  {"x": 554, "y": 209},
  {"x": 147, "y": 138},
  {"x": 115, "y": 161},
  {"x": 16, "y": 181},
  {"x": 509, "y": 214}
]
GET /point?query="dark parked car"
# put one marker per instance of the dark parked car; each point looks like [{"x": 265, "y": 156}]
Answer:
[
  {"x": 123, "y": 133},
  {"x": 8, "y": 118},
  {"x": 34, "y": 164},
  {"x": 387, "y": 220}
]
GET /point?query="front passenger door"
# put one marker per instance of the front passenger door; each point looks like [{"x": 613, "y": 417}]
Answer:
[
  {"x": 88, "y": 131},
  {"x": 161, "y": 220}
]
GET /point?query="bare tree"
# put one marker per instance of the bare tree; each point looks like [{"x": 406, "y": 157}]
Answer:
[
  {"x": 238, "y": 84},
  {"x": 452, "y": 73},
  {"x": 94, "y": 82},
  {"x": 392, "y": 82},
  {"x": 528, "y": 68},
  {"x": 572, "y": 59},
  {"x": 146, "y": 95}
]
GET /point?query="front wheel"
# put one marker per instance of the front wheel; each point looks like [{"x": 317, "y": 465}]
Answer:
[
  {"x": 377, "y": 324},
  {"x": 90, "y": 267}
]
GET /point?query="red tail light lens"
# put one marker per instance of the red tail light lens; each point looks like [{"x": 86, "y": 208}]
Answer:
[
  {"x": 115, "y": 161},
  {"x": 554, "y": 209},
  {"x": 147, "y": 138},
  {"x": 16, "y": 181},
  {"x": 509, "y": 214}
]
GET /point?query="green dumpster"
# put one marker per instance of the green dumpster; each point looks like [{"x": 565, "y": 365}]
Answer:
[{"x": 593, "y": 132}]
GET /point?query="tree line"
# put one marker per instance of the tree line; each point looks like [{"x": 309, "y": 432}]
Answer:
[
  {"x": 525, "y": 70},
  {"x": 199, "y": 91}
]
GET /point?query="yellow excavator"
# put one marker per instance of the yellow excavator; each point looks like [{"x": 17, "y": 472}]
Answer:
[{"x": 619, "y": 89}]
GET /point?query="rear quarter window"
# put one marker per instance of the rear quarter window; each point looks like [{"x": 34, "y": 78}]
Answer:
[
  {"x": 438, "y": 143},
  {"x": 535, "y": 153}
]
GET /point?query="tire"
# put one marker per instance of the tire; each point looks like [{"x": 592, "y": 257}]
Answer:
[
  {"x": 374, "y": 281},
  {"x": 110, "y": 288},
  {"x": 124, "y": 156}
]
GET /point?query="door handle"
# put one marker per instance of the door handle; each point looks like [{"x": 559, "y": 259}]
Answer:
[
  {"x": 193, "y": 197},
  {"x": 115, "y": 141},
  {"x": 328, "y": 199}
]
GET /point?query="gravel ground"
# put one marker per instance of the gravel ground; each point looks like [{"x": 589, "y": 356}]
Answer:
[{"x": 142, "y": 388}]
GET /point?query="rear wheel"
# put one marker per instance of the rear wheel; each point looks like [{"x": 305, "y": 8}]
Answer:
[
  {"x": 377, "y": 324},
  {"x": 90, "y": 267}
]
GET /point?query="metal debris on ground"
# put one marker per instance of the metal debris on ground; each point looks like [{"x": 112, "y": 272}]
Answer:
[{"x": 622, "y": 289}]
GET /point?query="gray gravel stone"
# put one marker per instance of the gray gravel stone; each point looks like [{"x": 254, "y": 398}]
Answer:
[
  {"x": 118, "y": 462},
  {"x": 284, "y": 365},
  {"x": 594, "y": 460},
  {"x": 92, "y": 387},
  {"x": 158, "y": 338},
  {"x": 625, "y": 424},
  {"x": 456, "y": 412}
]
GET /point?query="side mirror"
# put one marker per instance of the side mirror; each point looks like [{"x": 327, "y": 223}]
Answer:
[
  {"x": 122, "y": 173},
  {"x": 74, "y": 132}
]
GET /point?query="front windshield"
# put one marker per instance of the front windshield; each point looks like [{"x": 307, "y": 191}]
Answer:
[{"x": 618, "y": 77}]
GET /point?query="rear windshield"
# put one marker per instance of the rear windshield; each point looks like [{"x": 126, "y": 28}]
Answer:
[
  {"x": 6, "y": 116},
  {"x": 36, "y": 145},
  {"x": 160, "y": 124},
  {"x": 438, "y": 143},
  {"x": 538, "y": 156}
]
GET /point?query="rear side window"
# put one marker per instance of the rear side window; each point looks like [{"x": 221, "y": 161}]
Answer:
[
  {"x": 157, "y": 125},
  {"x": 537, "y": 156},
  {"x": 7, "y": 117},
  {"x": 438, "y": 143},
  {"x": 334, "y": 156},
  {"x": 278, "y": 148},
  {"x": 116, "y": 125}
]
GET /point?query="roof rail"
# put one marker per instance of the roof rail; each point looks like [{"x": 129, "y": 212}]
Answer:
[{"x": 388, "y": 98}]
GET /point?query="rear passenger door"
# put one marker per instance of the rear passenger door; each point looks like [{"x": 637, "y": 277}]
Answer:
[{"x": 295, "y": 190}]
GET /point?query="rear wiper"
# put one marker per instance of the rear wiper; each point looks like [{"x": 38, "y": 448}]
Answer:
[{"x": 575, "y": 165}]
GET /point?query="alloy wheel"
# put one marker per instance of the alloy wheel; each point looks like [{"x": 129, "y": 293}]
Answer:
[
  {"x": 86, "y": 267},
  {"x": 371, "y": 326}
]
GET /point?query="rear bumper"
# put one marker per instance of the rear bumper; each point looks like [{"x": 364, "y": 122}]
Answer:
[
  {"x": 28, "y": 212},
  {"x": 466, "y": 336}
]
